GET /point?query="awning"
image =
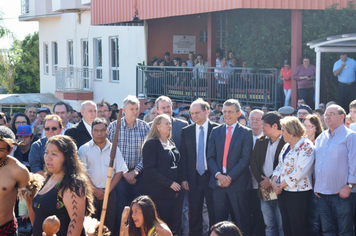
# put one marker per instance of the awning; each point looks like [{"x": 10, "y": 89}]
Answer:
[
  {"x": 27, "y": 98},
  {"x": 337, "y": 43}
]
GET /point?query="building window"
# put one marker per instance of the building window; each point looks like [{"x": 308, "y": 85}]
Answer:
[
  {"x": 70, "y": 57},
  {"x": 114, "y": 55},
  {"x": 55, "y": 57},
  {"x": 98, "y": 59},
  {"x": 25, "y": 7},
  {"x": 46, "y": 63},
  {"x": 85, "y": 64}
]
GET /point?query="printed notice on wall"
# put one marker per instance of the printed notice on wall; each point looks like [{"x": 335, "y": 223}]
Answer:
[{"x": 183, "y": 44}]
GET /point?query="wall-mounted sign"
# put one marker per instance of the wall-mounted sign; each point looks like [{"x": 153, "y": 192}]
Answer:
[{"x": 183, "y": 44}]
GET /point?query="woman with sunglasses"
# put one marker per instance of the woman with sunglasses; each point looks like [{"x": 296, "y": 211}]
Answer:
[{"x": 52, "y": 126}]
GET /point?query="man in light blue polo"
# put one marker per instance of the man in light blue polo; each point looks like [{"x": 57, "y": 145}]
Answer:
[
  {"x": 335, "y": 174},
  {"x": 345, "y": 69}
]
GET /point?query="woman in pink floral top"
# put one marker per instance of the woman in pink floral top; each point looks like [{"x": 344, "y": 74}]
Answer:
[{"x": 292, "y": 178}]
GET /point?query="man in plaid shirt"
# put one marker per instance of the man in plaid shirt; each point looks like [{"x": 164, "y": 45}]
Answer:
[{"x": 132, "y": 133}]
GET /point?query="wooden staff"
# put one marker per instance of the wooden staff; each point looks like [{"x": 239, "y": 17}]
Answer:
[
  {"x": 108, "y": 180},
  {"x": 124, "y": 216}
]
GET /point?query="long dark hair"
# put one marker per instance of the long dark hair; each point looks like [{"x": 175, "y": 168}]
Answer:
[
  {"x": 149, "y": 213},
  {"x": 13, "y": 128},
  {"x": 75, "y": 177}
]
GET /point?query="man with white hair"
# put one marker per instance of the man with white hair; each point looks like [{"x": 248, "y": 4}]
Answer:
[
  {"x": 258, "y": 224},
  {"x": 81, "y": 132},
  {"x": 133, "y": 132}
]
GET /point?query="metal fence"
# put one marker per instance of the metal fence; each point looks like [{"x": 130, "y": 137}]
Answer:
[
  {"x": 250, "y": 86},
  {"x": 74, "y": 79}
]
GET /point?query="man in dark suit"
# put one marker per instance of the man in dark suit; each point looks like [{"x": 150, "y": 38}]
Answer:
[
  {"x": 194, "y": 172},
  {"x": 264, "y": 160},
  {"x": 229, "y": 152},
  {"x": 81, "y": 132},
  {"x": 163, "y": 105}
]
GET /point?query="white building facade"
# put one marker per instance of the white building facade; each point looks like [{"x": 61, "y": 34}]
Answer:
[{"x": 79, "y": 61}]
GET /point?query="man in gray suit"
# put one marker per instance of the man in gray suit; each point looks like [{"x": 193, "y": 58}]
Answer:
[
  {"x": 229, "y": 152},
  {"x": 164, "y": 106}
]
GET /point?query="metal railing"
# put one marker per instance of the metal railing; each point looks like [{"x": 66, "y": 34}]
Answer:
[
  {"x": 255, "y": 87},
  {"x": 74, "y": 79}
]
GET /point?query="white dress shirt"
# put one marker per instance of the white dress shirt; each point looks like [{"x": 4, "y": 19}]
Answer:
[
  {"x": 88, "y": 127},
  {"x": 97, "y": 162}
]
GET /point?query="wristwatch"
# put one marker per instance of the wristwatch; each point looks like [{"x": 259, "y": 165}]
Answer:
[
  {"x": 136, "y": 172},
  {"x": 350, "y": 185}
]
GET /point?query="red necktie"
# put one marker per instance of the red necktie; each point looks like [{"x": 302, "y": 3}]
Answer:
[{"x": 227, "y": 145}]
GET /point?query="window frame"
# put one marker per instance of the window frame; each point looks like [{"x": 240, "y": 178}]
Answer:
[{"x": 116, "y": 68}]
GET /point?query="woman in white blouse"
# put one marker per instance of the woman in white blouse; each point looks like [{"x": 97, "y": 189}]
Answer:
[{"x": 292, "y": 178}]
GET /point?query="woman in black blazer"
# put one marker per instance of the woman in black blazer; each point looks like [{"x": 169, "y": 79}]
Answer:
[{"x": 160, "y": 175}]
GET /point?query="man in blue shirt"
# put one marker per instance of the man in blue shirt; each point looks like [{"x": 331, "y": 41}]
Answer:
[
  {"x": 335, "y": 174},
  {"x": 344, "y": 69}
]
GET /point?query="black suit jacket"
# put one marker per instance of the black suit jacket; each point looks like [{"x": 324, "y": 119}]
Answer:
[
  {"x": 189, "y": 153},
  {"x": 259, "y": 156},
  {"x": 238, "y": 158},
  {"x": 158, "y": 175},
  {"x": 79, "y": 134}
]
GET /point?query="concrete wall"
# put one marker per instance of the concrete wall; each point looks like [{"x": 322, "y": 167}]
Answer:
[{"x": 66, "y": 27}]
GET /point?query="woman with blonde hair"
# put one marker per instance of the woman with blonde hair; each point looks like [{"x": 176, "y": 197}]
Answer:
[
  {"x": 160, "y": 178},
  {"x": 292, "y": 178}
]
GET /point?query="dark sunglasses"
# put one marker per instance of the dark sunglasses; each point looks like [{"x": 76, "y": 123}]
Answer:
[{"x": 48, "y": 128}]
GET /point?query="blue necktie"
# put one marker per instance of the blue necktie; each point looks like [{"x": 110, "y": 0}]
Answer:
[{"x": 201, "y": 150}]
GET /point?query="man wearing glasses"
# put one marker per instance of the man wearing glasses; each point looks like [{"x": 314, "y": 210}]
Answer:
[
  {"x": 335, "y": 174},
  {"x": 62, "y": 110},
  {"x": 104, "y": 110},
  {"x": 52, "y": 126},
  {"x": 303, "y": 111}
]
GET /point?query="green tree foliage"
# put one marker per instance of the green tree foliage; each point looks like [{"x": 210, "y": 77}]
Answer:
[
  {"x": 260, "y": 37},
  {"x": 27, "y": 72},
  {"x": 320, "y": 24}
]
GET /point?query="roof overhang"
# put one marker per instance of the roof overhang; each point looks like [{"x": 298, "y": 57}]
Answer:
[
  {"x": 28, "y": 98},
  {"x": 336, "y": 43}
]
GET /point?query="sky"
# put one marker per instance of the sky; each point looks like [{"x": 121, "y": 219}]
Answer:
[{"x": 11, "y": 10}]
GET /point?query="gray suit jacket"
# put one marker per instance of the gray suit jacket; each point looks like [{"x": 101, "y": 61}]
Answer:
[
  {"x": 177, "y": 126},
  {"x": 238, "y": 158}
]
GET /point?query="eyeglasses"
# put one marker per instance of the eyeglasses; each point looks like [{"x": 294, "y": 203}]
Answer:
[
  {"x": 105, "y": 111},
  {"x": 329, "y": 114},
  {"x": 21, "y": 122},
  {"x": 52, "y": 128}
]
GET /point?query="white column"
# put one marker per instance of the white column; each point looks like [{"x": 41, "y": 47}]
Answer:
[{"x": 317, "y": 78}]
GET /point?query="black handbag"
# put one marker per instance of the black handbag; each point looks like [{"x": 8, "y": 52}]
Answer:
[{"x": 24, "y": 226}]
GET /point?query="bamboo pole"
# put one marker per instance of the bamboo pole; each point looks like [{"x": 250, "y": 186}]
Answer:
[{"x": 108, "y": 179}]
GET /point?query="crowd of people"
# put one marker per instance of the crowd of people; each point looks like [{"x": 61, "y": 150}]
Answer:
[{"x": 183, "y": 170}]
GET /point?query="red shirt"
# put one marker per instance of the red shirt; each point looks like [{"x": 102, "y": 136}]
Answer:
[{"x": 287, "y": 84}]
